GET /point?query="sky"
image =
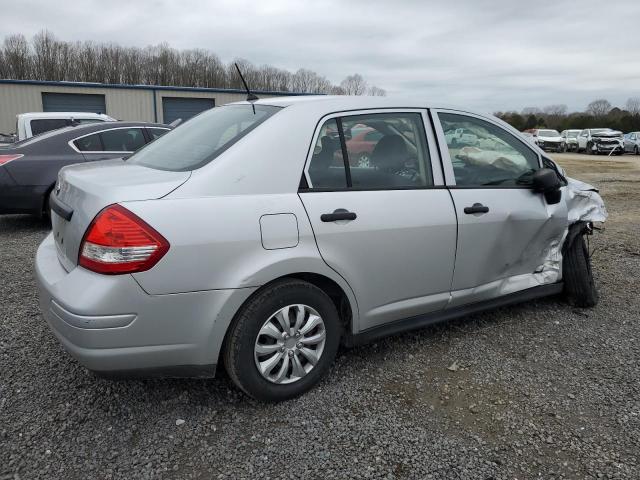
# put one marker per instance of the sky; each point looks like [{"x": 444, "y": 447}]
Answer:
[{"x": 487, "y": 55}]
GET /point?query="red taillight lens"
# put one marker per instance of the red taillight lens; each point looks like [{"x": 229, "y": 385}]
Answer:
[
  {"x": 118, "y": 241},
  {"x": 4, "y": 159}
]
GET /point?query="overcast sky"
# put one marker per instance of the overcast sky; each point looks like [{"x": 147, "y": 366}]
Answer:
[{"x": 490, "y": 55}]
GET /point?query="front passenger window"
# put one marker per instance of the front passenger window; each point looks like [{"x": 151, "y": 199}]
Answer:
[{"x": 483, "y": 154}]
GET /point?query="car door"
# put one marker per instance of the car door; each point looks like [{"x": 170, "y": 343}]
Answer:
[
  {"x": 388, "y": 227},
  {"x": 508, "y": 236},
  {"x": 111, "y": 143}
]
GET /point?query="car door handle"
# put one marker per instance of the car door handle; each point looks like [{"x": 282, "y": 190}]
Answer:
[
  {"x": 476, "y": 208},
  {"x": 338, "y": 214}
]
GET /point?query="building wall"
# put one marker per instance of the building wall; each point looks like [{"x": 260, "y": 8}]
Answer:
[{"x": 122, "y": 103}]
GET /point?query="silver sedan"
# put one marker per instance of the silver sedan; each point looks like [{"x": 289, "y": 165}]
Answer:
[{"x": 251, "y": 236}]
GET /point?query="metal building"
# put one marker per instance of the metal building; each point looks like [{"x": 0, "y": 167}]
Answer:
[{"x": 124, "y": 102}]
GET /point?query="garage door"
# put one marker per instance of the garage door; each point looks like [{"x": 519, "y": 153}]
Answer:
[
  {"x": 184, "y": 108},
  {"x": 73, "y": 102}
]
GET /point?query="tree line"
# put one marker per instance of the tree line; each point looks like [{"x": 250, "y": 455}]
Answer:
[
  {"x": 599, "y": 113},
  {"x": 47, "y": 58}
]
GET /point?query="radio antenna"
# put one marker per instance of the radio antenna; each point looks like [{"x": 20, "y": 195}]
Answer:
[{"x": 251, "y": 97}]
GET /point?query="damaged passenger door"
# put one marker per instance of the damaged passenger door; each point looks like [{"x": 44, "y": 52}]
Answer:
[{"x": 508, "y": 235}]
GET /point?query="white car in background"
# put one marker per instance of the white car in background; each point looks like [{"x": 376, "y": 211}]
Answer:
[
  {"x": 547, "y": 139},
  {"x": 462, "y": 137},
  {"x": 528, "y": 136},
  {"x": 601, "y": 140},
  {"x": 570, "y": 140}
]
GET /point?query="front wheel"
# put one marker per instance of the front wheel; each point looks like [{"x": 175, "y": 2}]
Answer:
[
  {"x": 636, "y": 151},
  {"x": 579, "y": 285},
  {"x": 282, "y": 341}
]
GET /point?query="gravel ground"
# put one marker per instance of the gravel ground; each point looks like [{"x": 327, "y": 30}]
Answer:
[{"x": 539, "y": 390}]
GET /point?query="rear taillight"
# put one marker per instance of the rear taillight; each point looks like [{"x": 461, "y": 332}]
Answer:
[
  {"x": 118, "y": 241},
  {"x": 4, "y": 159}
]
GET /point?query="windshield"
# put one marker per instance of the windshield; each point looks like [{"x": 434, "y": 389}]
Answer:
[
  {"x": 573, "y": 133},
  {"x": 600, "y": 130},
  {"x": 201, "y": 139},
  {"x": 548, "y": 133}
]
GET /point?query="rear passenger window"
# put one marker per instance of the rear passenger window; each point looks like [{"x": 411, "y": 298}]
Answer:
[
  {"x": 384, "y": 151},
  {"x": 394, "y": 153},
  {"x": 90, "y": 143},
  {"x": 122, "y": 140},
  {"x": 483, "y": 154},
  {"x": 326, "y": 169}
]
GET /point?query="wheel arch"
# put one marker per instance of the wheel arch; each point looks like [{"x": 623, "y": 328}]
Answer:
[{"x": 343, "y": 301}]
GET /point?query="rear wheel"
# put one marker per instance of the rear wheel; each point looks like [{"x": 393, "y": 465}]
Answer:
[
  {"x": 282, "y": 341},
  {"x": 579, "y": 285}
]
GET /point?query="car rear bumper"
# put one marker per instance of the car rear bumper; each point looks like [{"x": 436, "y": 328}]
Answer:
[
  {"x": 19, "y": 198},
  {"x": 112, "y": 326}
]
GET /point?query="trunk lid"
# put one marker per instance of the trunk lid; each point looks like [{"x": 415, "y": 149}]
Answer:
[{"x": 88, "y": 188}]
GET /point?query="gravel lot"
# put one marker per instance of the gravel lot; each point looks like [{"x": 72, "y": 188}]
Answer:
[{"x": 540, "y": 390}]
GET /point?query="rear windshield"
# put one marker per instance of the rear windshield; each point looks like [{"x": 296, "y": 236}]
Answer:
[{"x": 201, "y": 139}]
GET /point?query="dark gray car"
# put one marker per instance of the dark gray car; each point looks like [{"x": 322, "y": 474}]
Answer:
[{"x": 29, "y": 169}]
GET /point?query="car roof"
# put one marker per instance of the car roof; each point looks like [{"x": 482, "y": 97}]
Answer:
[
  {"x": 351, "y": 102},
  {"x": 62, "y": 115}
]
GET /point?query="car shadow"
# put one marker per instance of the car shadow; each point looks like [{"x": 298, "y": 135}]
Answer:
[{"x": 12, "y": 223}]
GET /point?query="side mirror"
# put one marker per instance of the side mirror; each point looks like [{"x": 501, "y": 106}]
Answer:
[
  {"x": 546, "y": 181},
  {"x": 347, "y": 133}
]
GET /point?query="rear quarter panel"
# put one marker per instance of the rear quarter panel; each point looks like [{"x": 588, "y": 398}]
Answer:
[
  {"x": 216, "y": 243},
  {"x": 42, "y": 161}
]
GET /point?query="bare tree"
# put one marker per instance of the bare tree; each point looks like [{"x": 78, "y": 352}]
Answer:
[
  {"x": 555, "y": 110},
  {"x": 354, "y": 85},
  {"x": 531, "y": 111},
  {"x": 17, "y": 57},
  {"x": 599, "y": 107},
  {"x": 50, "y": 59},
  {"x": 633, "y": 105},
  {"x": 376, "y": 91}
]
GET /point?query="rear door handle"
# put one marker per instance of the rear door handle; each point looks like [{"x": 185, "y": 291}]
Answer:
[
  {"x": 476, "y": 208},
  {"x": 338, "y": 214}
]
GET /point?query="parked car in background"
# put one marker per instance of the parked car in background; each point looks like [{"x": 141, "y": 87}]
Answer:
[
  {"x": 528, "y": 136},
  {"x": 461, "y": 136},
  {"x": 600, "y": 140},
  {"x": 234, "y": 240},
  {"x": 547, "y": 139},
  {"x": 570, "y": 140},
  {"x": 632, "y": 142},
  {"x": 361, "y": 144},
  {"x": 31, "y": 124},
  {"x": 29, "y": 169}
]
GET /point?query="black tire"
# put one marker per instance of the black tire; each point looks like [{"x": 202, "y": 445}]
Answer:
[
  {"x": 590, "y": 150},
  {"x": 238, "y": 351},
  {"x": 636, "y": 151},
  {"x": 579, "y": 286}
]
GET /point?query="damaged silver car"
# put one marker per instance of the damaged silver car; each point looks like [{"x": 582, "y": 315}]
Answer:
[{"x": 249, "y": 237}]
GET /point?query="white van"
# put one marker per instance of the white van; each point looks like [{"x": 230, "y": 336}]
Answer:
[{"x": 30, "y": 124}]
